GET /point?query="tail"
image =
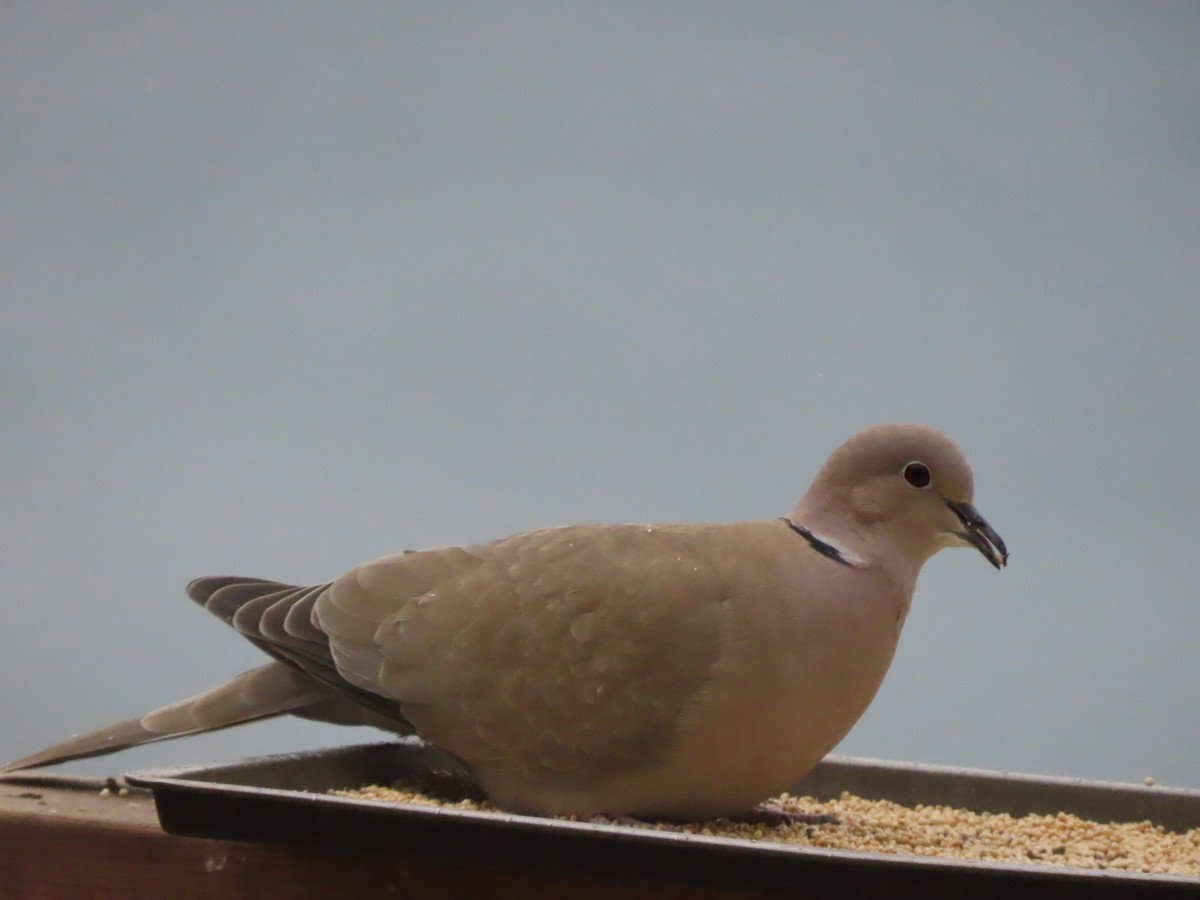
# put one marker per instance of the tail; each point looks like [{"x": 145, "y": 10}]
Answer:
[
  {"x": 261, "y": 693},
  {"x": 303, "y": 680}
]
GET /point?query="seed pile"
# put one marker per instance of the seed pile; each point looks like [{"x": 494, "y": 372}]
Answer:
[{"x": 884, "y": 827}]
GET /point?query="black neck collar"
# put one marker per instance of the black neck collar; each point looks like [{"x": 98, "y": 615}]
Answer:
[{"x": 825, "y": 549}]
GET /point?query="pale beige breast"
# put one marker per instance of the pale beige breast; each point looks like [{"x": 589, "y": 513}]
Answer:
[{"x": 799, "y": 668}]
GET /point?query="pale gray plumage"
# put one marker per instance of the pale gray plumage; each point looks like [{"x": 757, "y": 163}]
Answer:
[{"x": 680, "y": 671}]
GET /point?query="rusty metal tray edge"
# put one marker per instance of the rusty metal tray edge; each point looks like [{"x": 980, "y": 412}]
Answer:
[{"x": 207, "y": 800}]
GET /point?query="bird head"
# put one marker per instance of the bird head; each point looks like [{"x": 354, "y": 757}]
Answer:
[{"x": 898, "y": 488}]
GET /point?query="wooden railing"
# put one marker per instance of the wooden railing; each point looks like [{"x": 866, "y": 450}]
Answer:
[{"x": 64, "y": 838}]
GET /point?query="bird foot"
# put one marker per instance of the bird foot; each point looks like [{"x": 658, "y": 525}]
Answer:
[
  {"x": 444, "y": 785},
  {"x": 761, "y": 814}
]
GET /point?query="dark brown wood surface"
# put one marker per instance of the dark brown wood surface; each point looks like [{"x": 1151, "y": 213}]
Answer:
[
  {"x": 58, "y": 840},
  {"x": 61, "y": 838},
  {"x": 75, "y": 843}
]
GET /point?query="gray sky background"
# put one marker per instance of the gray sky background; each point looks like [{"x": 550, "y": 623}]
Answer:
[{"x": 289, "y": 286}]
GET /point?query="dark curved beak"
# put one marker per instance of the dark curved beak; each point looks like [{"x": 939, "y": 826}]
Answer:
[{"x": 977, "y": 532}]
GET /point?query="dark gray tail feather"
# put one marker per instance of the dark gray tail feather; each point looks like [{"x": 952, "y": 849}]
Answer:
[
  {"x": 270, "y": 690},
  {"x": 202, "y": 590},
  {"x": 279, "y": 619}
]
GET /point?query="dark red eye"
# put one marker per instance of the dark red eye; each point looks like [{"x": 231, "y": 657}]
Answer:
[{"x": 917, "y": 474}]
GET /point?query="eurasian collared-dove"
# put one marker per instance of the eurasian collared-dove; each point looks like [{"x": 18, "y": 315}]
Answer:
[{"x": 677, "y": 671}]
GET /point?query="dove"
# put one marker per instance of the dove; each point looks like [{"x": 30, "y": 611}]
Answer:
[{"x": 675, "y": 672}]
